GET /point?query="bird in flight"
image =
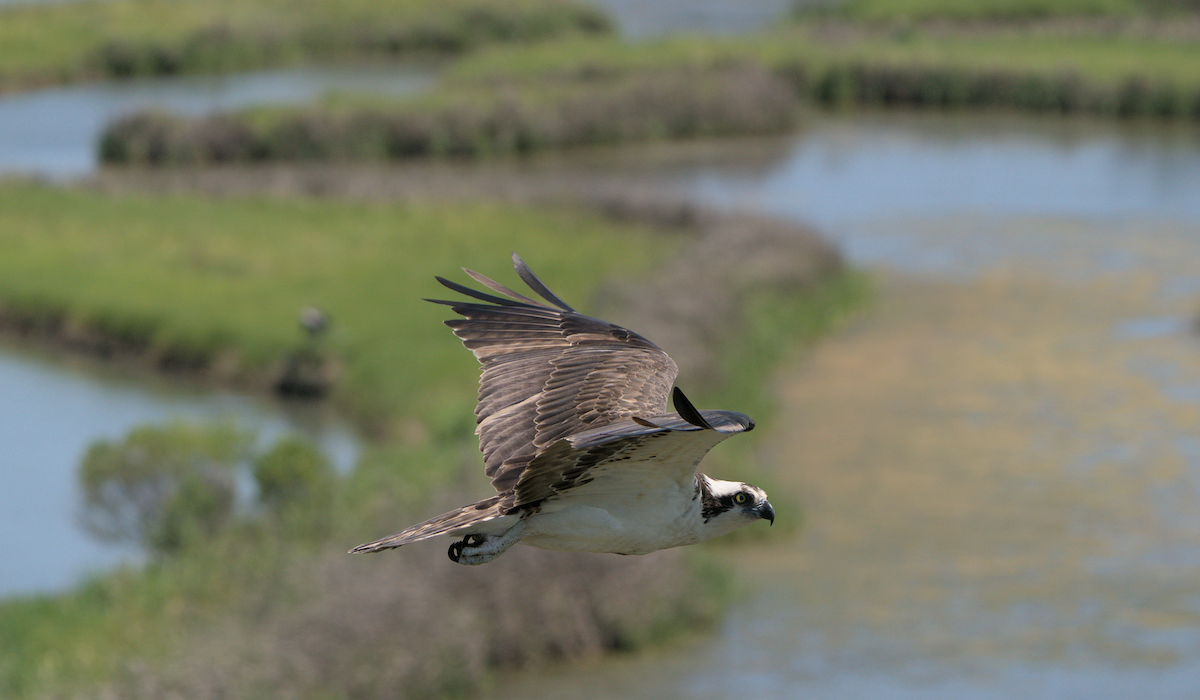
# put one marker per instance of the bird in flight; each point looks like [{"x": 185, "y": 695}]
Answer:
[{"x": 573, "y": 424}]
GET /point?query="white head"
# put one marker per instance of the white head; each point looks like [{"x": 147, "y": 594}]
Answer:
[{"x": 729, "y": 505}]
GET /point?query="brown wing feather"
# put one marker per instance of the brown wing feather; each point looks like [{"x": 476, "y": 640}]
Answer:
[
  {"x": 550, "y": 372},
  {"x": 673, "y": 444},
  {"x": 481, "y": 512}
]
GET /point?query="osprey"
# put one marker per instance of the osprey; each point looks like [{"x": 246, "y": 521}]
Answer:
[{"x": 576, "y": 438}]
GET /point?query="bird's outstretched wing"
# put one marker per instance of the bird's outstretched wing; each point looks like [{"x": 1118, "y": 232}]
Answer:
[
  {"x": 663, "y": 447},
  {"x": 549, "y": 372},
  {"x": 457, "y": 519},
  {"x": 670, "y": 446}
]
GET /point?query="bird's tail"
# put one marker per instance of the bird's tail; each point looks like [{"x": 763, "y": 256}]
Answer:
[{"x": 481, "y": 512}]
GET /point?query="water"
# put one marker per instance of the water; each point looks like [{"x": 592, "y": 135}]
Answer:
[
  {"x": 885, "y": 167},
  {"x": 51, "y": 411},
  {"x": 53, "y": 132},
  {"x": 645, "y": 18},
  {"x": 639, "y": 19},
  {"x": 854, "y": 177},
  {"x": 997, "y": 466}
]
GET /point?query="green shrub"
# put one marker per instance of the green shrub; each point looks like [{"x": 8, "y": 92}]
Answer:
[
  {"x": 296, "y": 484},
  {"x": 293, "y": 471},
  {"x": 161, "y": 486},
  {"x": 472, "y": 122},
  {"x": 893, "y": 10},
  {"x": 57, "y": 42}
]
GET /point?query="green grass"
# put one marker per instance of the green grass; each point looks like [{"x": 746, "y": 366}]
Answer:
[
  {"x": 1100, "y": 68},
  {"x": 890, "y": 10},
  {"x": 227, "y": 278},
  {"x": 565, "y": 94},
  {"x": 1000, "y": 10},
  {"x": 467, "y": 121},
  {"x": 57, "y": 42},
  {"x": 1105, "y": 59}
]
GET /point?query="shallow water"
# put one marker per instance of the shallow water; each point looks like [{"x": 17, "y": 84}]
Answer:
[
  {"x": 50, "y": 411},
  {"x": 842, "y": 174},
  {"x": 645, "y": 18},
  {"x": 1000, "y": 498},
  {"x": 53, "y": 132},
  {"x": 998, "y": 464},
  {"x": 639, "y": 19}
]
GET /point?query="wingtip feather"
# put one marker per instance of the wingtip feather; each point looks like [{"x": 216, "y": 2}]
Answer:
[
  {"x": 537, "y": 285},
  {"x": 687, "y": 411}
]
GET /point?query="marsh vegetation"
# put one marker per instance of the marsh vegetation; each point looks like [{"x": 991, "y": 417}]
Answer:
[
  {"x": 1115, "y": 59},
  {"x": 200, "y": 274},
  {"x": 50, "y": 43},
  {"x": 364, "y": 262},
  {"x": 510, "y": 119}
]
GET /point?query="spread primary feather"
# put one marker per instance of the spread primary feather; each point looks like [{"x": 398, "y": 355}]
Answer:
[{"x": 573, "y": 425}]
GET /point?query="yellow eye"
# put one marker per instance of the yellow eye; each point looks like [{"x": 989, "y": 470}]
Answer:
[{"x": 741, "y": 498}]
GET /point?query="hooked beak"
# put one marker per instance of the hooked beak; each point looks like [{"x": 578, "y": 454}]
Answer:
[{"x": 766, "y": 512}]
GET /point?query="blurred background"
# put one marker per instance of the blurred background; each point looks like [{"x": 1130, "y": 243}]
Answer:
[{"x": 945, "y": 252}]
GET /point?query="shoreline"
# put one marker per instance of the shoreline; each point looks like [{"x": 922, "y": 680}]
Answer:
[
  {"x": 63, "y": 330},
  {"x": 567, "y": 96},
  {"x": 184, "y": 608},
  {"x": 66, "y": 43}
]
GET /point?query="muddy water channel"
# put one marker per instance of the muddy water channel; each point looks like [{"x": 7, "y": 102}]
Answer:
[{"x": 999, "y": 463}]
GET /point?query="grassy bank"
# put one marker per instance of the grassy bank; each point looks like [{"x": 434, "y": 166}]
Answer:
[
  {"x": 1054, "y": 68},
  {"x": 47, "y": 43},
  {"x": 215, "y": 287},
  {"x": 269, "y": 606},
  {"x": 1000, "y": 10},
  {"x": 466, "y": 121},
  {"x": 594, "y": 92}
]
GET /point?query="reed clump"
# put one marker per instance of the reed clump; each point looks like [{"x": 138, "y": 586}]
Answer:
[
  {"x": 269, "y": 603},
  {"x": 997, "y": 10},
  {"x": 952, "y": 88},
  {"x": 49, "y": 43},
  {"x": 507, "y": 118},
  {"x": 222, "y": 48},
  {"x": 975, "y": 10}
]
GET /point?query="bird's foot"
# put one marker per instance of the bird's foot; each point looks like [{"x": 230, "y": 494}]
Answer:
[
  {"x": 480, "y": 549},
  {"x": 470, "y": 542},
  {"x": 472, "y": 550}
]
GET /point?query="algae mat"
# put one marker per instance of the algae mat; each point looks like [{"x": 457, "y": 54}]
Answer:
[{"x": 993, "y": 472}]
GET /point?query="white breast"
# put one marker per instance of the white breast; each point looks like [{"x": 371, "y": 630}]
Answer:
[{"x": 640, "y": 502}]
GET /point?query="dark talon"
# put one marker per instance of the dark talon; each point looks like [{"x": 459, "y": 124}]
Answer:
[
  {"x": 474, "y": 540},
  {"x": 455, "y": 551}
]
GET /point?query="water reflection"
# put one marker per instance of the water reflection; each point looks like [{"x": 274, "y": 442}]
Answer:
[
  {"x": 53, "y": 132},
  {"x": 999, "y": 465},
  {"x": 844, "y": 170},
  {"x": 51, "y": 412},
  {"x": 639, "y": 19}
]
